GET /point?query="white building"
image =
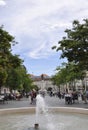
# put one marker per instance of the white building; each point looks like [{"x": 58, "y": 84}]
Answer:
[{"x": 44, "y": 82}]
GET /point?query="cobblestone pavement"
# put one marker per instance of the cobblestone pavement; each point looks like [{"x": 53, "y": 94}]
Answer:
[{"x": 50, "y": 101}]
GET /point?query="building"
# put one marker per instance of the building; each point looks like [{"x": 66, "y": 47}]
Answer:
[{"x": 43, "y": 82}]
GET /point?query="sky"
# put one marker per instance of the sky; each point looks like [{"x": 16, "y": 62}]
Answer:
[{"x": 37, "y": 25}]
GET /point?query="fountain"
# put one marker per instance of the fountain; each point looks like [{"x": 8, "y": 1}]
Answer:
[
  {"x": 44, "y": 118},
  {"x": 41, "y": 110}
]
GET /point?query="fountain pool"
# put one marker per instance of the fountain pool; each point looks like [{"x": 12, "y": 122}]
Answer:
[
  {"x": 54, "y": 118},
  {"x": 60, "y": 121}
]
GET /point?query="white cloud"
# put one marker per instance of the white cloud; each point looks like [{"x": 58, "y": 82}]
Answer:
[
  {"x": 43, "y": 50},
  {"x": 38, "y": 24},
  {"x": 2, "y": 2}
]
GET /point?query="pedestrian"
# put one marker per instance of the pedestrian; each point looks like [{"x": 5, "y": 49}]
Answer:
[
  {"x": 33, "y": 96},
  {"x": 84, "y": 96}
]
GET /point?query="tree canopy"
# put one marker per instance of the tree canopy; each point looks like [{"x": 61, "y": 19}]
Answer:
[
  {"x": 13, "y": 73},
  {"x": 67, "y": 73},
  {"x": 74, "y": 45}
]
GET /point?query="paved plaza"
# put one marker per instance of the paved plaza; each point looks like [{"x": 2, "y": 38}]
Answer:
[{"x": 50, "y": 102}]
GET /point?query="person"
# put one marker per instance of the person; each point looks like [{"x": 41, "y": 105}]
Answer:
[
  {"x": 59, "y": 95},
  {"x": 84, "y": 96},
  {"x": 68, "y": 98},
  {"x": 18, "y": 96},
  {"x": 33, "y": 96}
]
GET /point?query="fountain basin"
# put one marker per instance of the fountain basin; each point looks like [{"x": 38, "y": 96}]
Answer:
[
  {"x": 51, "y": 109},
  {"x": 63, "y": 118}
]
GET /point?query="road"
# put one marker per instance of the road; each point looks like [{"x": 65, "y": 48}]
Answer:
[{"x": 50, "y": 101}]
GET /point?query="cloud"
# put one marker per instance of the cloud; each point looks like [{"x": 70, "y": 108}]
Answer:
[
  {"x": 41, "y": 50},
  {"x": 38, "y": 25},
  {"x": 2, "y": 2}
]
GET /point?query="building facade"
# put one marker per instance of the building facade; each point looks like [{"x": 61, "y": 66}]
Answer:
[{"x": 44, "y": 82}]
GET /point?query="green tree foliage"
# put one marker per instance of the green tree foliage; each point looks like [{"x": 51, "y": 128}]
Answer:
[
  {"x": 14, "y": 61},
  {"x": 18, "y": 79},
  {"x": 67, "y": 73},
  {"x": 12, "y": 72},
  {"x": 3, "y": 76},
  {"x": 27, "y": 82},
  {"x": 5, "y": 46},
  {"x": 7, "y": 59},
  {"x": 74, "y": 46}
]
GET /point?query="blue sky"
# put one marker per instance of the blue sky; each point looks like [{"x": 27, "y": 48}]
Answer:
[{"x": 37, "y": 25}]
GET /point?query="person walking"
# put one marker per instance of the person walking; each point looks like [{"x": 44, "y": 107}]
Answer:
[{"x": 33, "y": 96}]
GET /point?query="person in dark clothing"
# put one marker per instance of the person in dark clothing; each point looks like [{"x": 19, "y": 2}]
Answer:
[{"x": 33, "y": 96}]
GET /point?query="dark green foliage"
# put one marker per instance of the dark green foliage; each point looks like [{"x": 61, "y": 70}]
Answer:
[
  {"x": 12, "y": 72},
  {"x": 74, "y": 46}
]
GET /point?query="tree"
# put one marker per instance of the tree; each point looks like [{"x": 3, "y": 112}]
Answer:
[
  {"x": 67, "y": 73},
  {"x": 60, "y": 77},
  {"x": 18, "y": 79},
  {"x": 3, "y": 76},
  {"x": 13, "y": 73},
  {"x": 74, "y": 46},
  {"x": 27, "y": 83},
  {"x": 5, "y": 46},
  {"x": 8, "y": 61}
]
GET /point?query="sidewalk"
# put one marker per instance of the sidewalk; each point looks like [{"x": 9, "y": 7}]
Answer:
[{"x": 50, "y": 102}]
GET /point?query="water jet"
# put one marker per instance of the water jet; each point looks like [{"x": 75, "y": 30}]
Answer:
[{"x": 42, "y": 117}]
